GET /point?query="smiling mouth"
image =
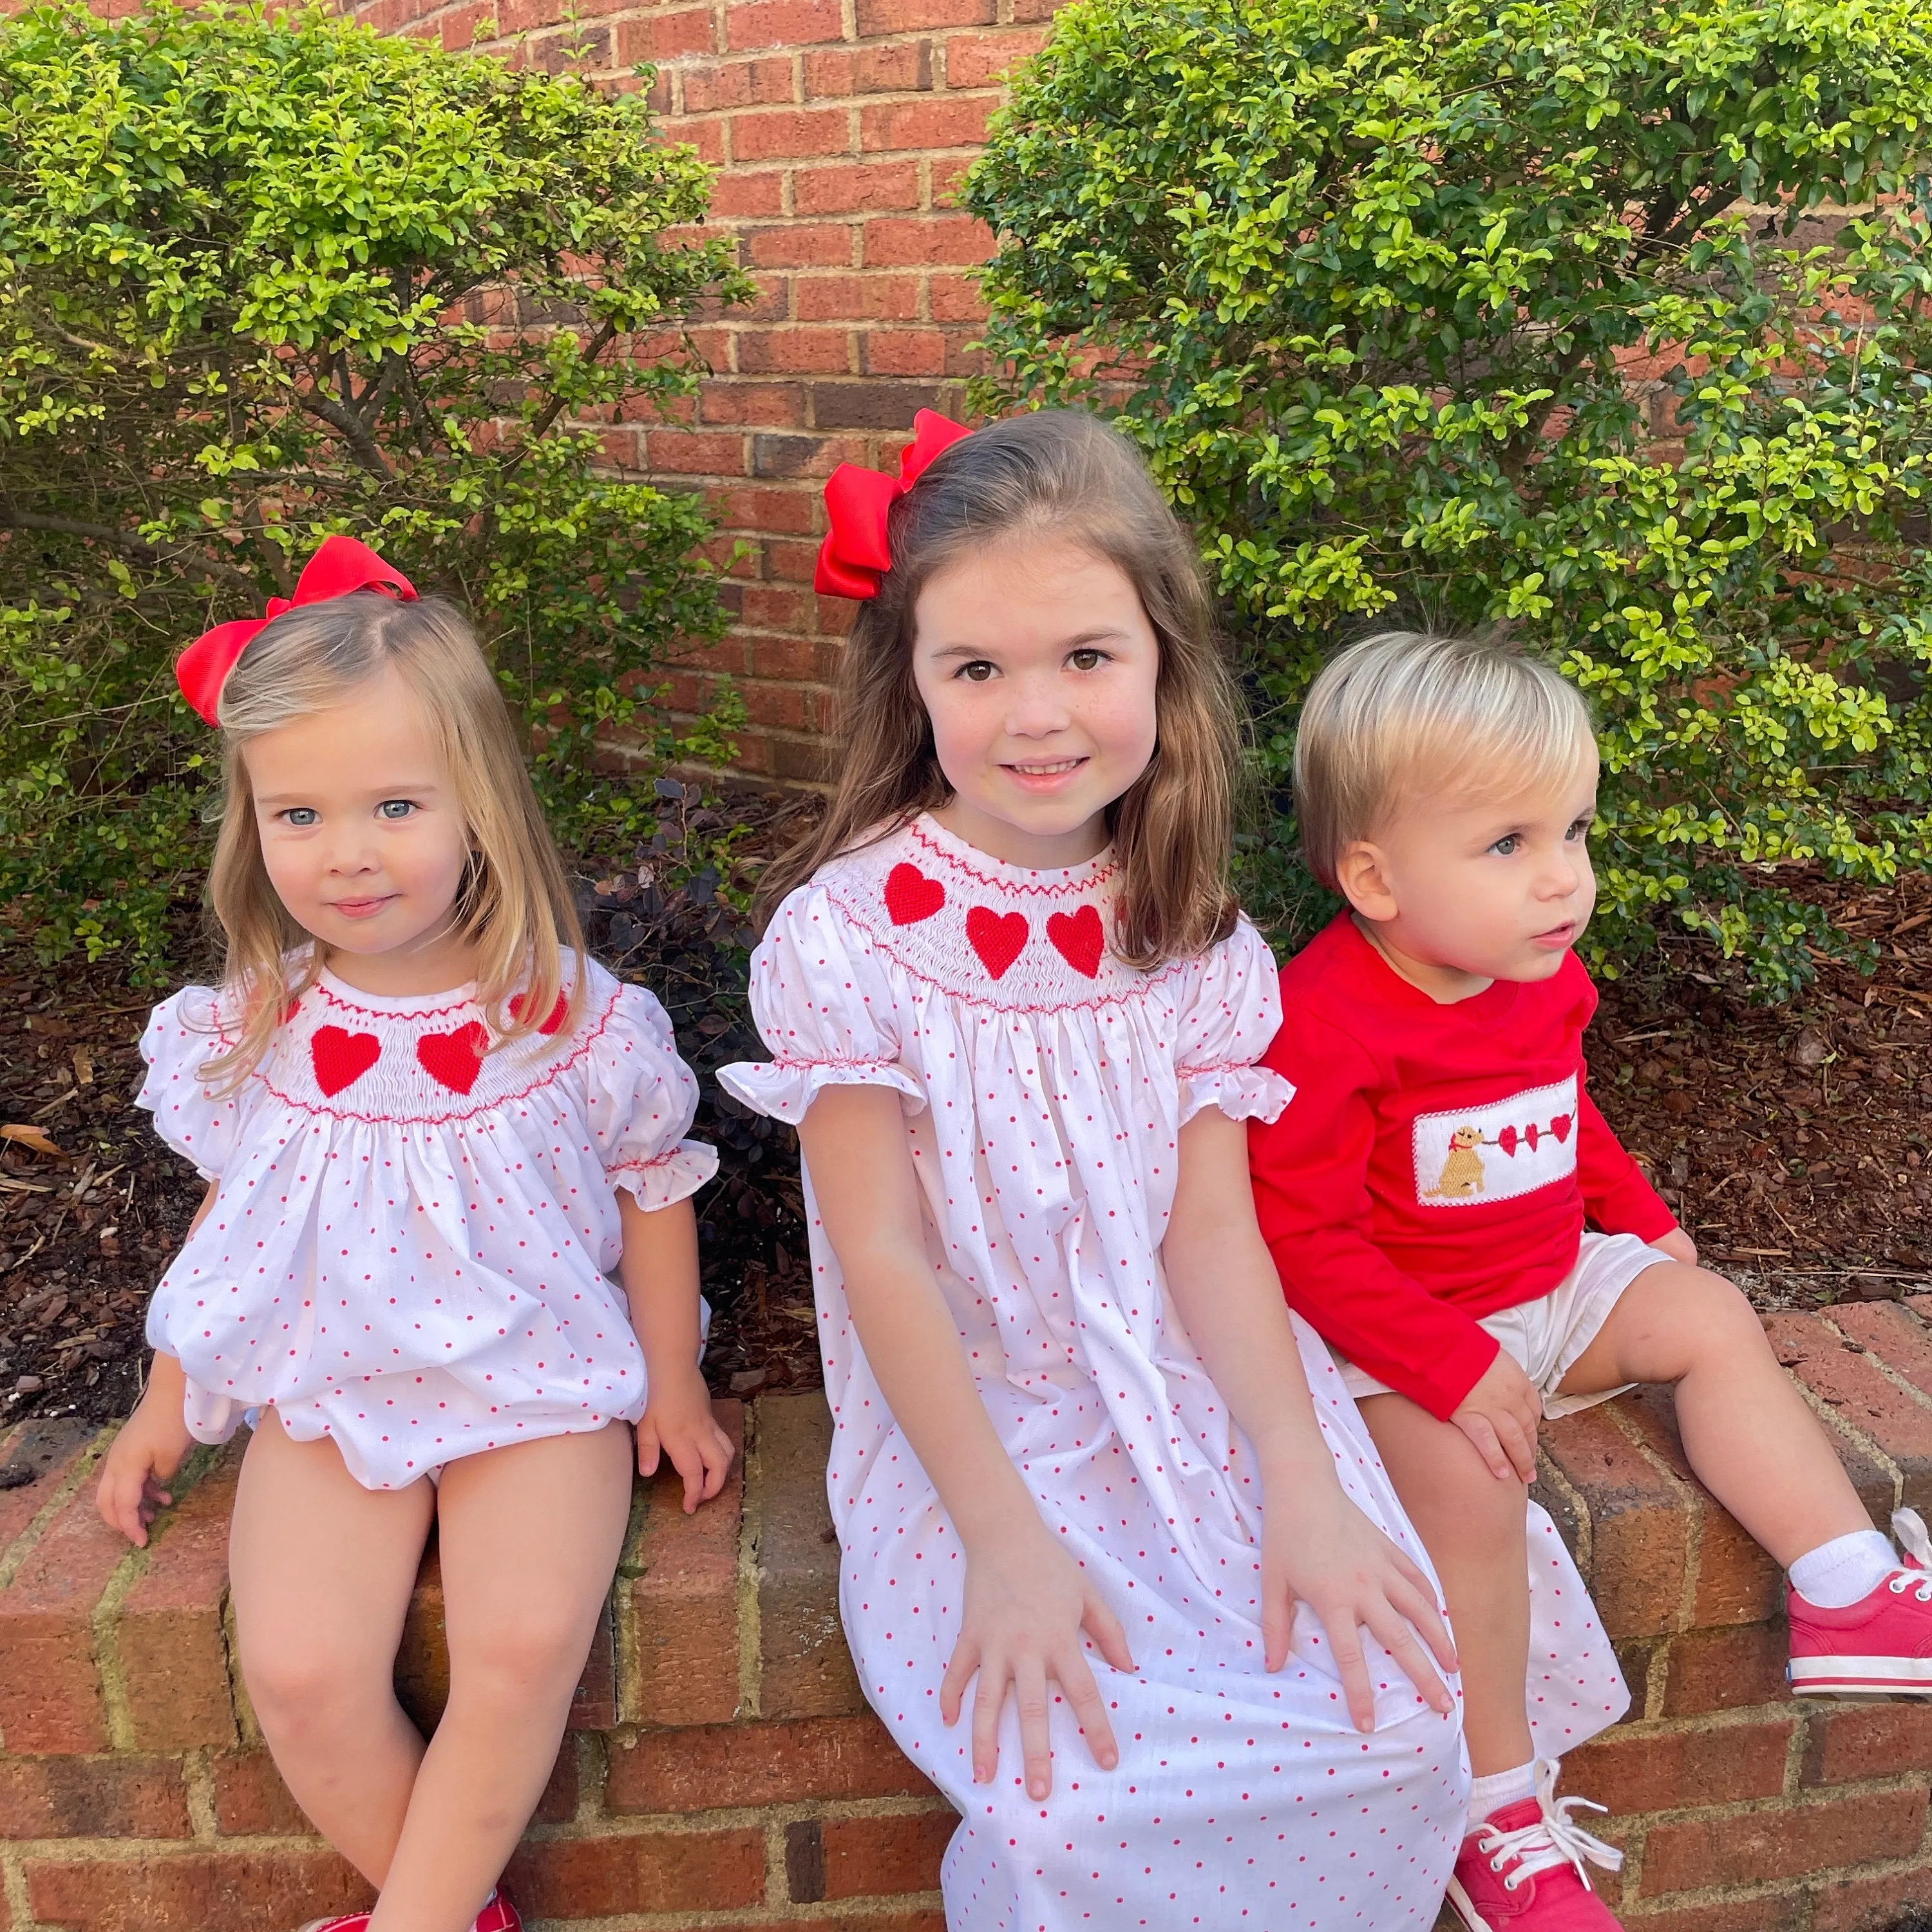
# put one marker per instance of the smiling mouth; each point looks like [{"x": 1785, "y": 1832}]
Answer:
[
  {"x": 360, "y": 908},
  {"x": 1046, "y": 769}
]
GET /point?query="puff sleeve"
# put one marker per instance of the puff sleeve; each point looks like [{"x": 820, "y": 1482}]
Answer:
[
  {"x": 1229, "y": 1014},
  {"x": 826, "y": 1011},
  {"x": 182, "y": 1032},
  {"x": 642, "y": 1097}
]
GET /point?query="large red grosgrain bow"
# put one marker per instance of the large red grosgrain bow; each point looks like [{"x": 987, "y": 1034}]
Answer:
[
  {"x": 855, "y": 553},
  {"x": 339, "y": 565}
]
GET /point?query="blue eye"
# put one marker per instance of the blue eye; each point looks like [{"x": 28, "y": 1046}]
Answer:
[
  {"x": 1579, "y": 829},
  {"x": 300, "y": 815},
  {"x": 395, "y": 807},
  {"x": 1507, "y": 844}
]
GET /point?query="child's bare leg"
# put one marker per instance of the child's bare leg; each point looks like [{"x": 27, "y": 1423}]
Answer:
[
  {"x": 1475, "y": 1528},
  {"x": 321, "y": 1569},
  {"x": 529, "y": 1537},
  {"x": 1747, "y": 1431}
]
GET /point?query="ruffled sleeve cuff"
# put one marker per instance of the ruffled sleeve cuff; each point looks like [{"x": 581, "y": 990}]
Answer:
[
  {"x": 677, "y": 1173},
  {"x": 785, "y": 1088},
  {"x": 182, "y": 1032},
  {"x": 1241, "y": 1092}
]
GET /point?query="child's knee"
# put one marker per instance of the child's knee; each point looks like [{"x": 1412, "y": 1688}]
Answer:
[
  {"x": 310, "y": 1687},
  {"x": 1718, "y": 1320},
  {"x": 529, "y": 1658}
]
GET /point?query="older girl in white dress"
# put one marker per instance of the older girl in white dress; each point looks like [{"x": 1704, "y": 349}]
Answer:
[
  {"x": 1016, "y": 1015},
  {"x": 446, "y": 1254}
]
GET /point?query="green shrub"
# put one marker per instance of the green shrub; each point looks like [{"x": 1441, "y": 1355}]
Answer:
[
  {"x": 1603, "y": 317},
  {"x": 265, "y": 278}
]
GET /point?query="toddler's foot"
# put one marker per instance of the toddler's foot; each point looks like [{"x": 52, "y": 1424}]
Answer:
[
  {"x": 1882, "y": 1643},
  {"x": 498, "y": 1915},
  {"x": 1522, "y": 1870}
]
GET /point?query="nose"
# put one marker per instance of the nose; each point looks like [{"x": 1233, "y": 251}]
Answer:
[
  {"x": 350, "y": 852},
  {"x": 1561, "y": 874},
  {"x": 1037, "y": 709}
]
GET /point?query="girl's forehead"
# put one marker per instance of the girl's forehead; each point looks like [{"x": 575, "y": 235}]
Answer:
[
  {"x": 1024, "y": 585},
  {"x": 377, "y": 726}
]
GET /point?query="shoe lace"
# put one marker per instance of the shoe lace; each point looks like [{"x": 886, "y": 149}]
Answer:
[
  {"x": 1553, "y": 1841},
  {"x": 1908, "y": 1528}
]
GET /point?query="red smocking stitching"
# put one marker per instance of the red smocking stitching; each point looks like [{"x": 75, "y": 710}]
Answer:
[
  {"x": 389, "y": 1012},
  {"x": 994, "y": 883}
]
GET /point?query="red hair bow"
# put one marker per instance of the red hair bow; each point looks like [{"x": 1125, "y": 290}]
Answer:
[
  {"x": 855, "y": 553},
  {"x": 339, "y": 565}
]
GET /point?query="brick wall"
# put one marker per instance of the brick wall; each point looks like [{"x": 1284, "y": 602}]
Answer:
[
  {"x": 839, "y": 128},
  {"x": 723, "y": 1771}
]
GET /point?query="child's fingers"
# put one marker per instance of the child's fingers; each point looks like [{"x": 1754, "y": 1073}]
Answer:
[
  {"x": 1398, "y": 1638},
  {"x": 1036, "y": 1739},
  {"x": 989, "y": 1696},
  {"x": 1482, "y": 1435},
  {"x": 1277, "y": 1624},
  {"x": 1076, "y": 1680},
  {"x": 1420, "y": 1607},
  {"x": 959, "y": 1669},
  {"x": 1520, "y": 1442},
  {"x": 1345, "y": 1646},
  {"x": 650, "y": 1450},
  {"x": 1104, "y": 1627}
]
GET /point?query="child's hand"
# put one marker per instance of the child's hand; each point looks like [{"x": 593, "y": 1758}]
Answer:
[
  {"x": 149, "y": 1449},
  {"x": 677, "y": 1422},
  {"x": 1318, "y": 1548},
  {"x": 1027, "y": 1602},
  {"x": 1678, "y": 1246},
  {"x": 1499, "y": 1416}
]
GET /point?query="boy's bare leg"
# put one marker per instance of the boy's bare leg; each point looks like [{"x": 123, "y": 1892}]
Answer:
[
  {"x": 1747, "y": 1431},
  {"x": 1475, "y": 1528}
]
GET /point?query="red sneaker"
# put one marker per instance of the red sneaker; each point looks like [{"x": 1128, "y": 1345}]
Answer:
[
  {"x": 1521, "y": 1869},
  {"x": 498, "y": 1915},
  {"x": 1882, "y": 1643}
]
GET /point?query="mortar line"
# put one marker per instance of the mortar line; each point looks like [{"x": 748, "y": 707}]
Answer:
[{"x": 750, "y": 1525}]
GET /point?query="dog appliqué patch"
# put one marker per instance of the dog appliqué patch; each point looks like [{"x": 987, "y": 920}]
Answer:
[{"x": 1493, "y": 1152}]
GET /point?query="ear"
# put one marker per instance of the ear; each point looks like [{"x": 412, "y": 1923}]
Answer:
[{"x": 1363, "y": 874}]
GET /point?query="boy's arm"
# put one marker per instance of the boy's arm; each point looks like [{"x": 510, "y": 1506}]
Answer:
[
  {"x": 1616, "y": 1194},
  {"x": 1310, "y": 1173}
]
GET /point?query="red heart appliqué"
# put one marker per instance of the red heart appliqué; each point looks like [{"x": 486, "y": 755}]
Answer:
[
  {"x": 1560, "y": 1127},
  {"x": 911, "y": 896},
  {"x": 997, "y": 938},
  {"x": 1078, "y": 938},
  {"x": 454, "y": 1058},
  {"x": 551, "y": 1025},
  {"x": 340, "y": 1058}
]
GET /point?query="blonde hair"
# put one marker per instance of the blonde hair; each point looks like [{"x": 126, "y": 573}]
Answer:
[
  {"x": 1406, "y": 712},
  {"x": 515, "y": 904},
  {"x": 1055, "y": 473}
]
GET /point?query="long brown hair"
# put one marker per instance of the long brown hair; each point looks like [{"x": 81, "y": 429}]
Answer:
[
  {"x": 1059, "y": 474},
  {"x": 515, "y": 905}
]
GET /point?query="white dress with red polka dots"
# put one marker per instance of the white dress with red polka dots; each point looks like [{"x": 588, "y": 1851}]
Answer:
[
  {"x": 1044, "y": 1085},
  {"x": 411, "y": 1249}
]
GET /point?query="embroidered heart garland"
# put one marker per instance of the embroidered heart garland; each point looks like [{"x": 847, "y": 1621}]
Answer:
[
  {"x": 1560, "y": 1127},
  {"x": 551, "y": 1025},
  {"x": 911, "y": 896},
  {"x": 340, "y": 1058},
  {"x": 1078, "y": 938},
  {"x": 454, "y": 1058},
  {"x": 997, "y": 938}
]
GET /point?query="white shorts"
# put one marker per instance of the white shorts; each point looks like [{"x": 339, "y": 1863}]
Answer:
[{"x": 1546, "y": 1337}]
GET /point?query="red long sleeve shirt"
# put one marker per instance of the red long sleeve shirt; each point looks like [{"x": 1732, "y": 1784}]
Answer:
[{"x": 1437, "y": 1162}]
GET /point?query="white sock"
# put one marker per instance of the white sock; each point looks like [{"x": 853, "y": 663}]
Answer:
[
  {"x": 1838, "y": 1574},
  {"x": 1488, "y": 1795}
]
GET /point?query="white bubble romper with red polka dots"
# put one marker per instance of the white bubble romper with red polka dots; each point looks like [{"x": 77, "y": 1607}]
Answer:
[
  {"x": 412, "y": 1248},
  {"x": 1044, "y": 1085}
]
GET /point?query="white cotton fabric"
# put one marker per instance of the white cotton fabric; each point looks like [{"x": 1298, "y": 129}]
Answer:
[
  {"x": 411, "y": 1249},
  {"x": 1044, "y": 1086}
]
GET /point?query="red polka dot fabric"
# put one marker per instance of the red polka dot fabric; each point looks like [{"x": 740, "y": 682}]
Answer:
[
  {"x": 1044, "y": 1087},
  {"x": 412, "y": 1248}
]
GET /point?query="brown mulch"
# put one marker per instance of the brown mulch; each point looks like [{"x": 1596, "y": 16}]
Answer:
[{"x": 1793, "y": 1141}]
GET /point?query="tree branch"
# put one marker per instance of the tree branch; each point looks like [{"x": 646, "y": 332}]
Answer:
[
  {"x": 126, "y": 541},
  {"x": 354, "y": 431},
  {"x": 599, "y": 343}
]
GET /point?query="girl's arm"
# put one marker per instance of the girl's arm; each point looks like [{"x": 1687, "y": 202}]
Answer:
[
  {"x": 659, "y": 1272},
  {"x": 1315, "y": 1544},
  {"x": 1026, "y": 1599},
  {"x": 152, "y": 1443}
]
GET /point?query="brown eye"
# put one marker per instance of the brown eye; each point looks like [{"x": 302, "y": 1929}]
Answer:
[
  {"x": 979, "y": 671},
  {"x": 1086, "y": 660}
]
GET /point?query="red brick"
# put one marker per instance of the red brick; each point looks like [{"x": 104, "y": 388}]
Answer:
[
  {"x": 955, "y": 298},
  {"x": 854, "y": 186},
  {"x": 800, "y": 245},
  {"x": 682, "y": 1582},
  {"x": 1725, "y": 1670},
  {"x": 210, "y": 1891},
  {"x": 786, "y": 132},
  {"x": 689, "y": 453},
  {"x": 706, "y": 139},
  {"x": 904, "y": 67},
  {"x": 50, "y": 1448},
  {"x": 1875, "y": 1740},
  {"x": 872, "y": 297},
  {"x": 1639, "y": 1524},
  {"x": 1025, "y": 10},
  {"x": 781, "y": 707},
  {"x": 934, "y": 121},
  {"x": 799, "y": 352},
  {"x": 787, "y": 562},
  {"x": 50, "y": 1689},
  {"x": 251, "y": 1801},
  {"x": 915, "y": 16},
  {"x": 1788, "y": 1842},
  {"x": 174, "y": 1654},
  {"x": 1753, "y": 1915},
  {"x": 1861, "y": 1396},
  {"x": 981, "y": 60},
  {"x": 92, "y": 1798},
  {"x": 903, "y": 351},
  {"x": 782, "y": 23},
  {"x": 1632, "y": 1770},
  {"x": 811, "y": 659},
  {"x": 709, "y": 1767},
  {"x": 765, "y": 405},
  {"x": 948, "y": 176},
  {"x": 667, "y": 1871},
  {"x": 663, "y": 36},
  {"x": 745, "y": 197},
  {"x": 779, "y": 607},
  {"x": 768, "y": 82},
  {"x": 1896, "y": 1338},
  {"x": 949, "y": 240},
  {"x": 870, "y": 1857},
  {"x": 776, "y": 510},
  {"x": 1871, "y": 1904}
]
